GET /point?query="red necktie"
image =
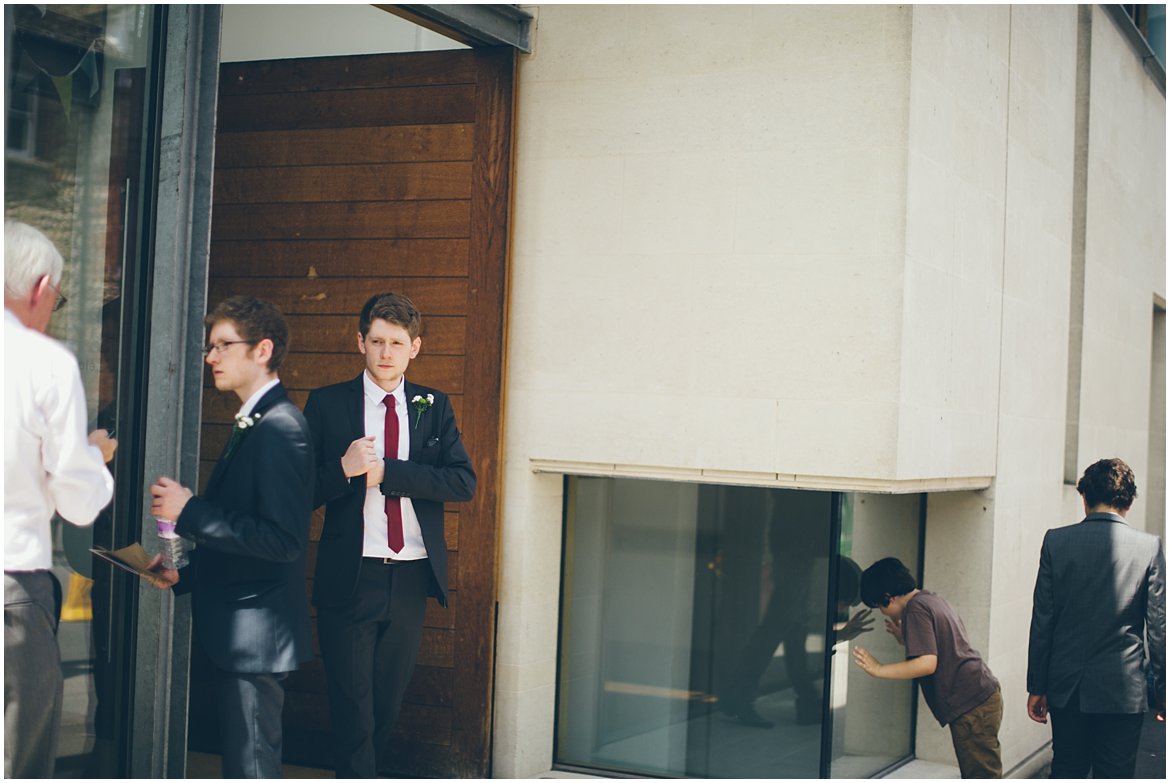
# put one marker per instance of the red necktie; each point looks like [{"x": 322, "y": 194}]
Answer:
[{"x": 393, "y": 505}]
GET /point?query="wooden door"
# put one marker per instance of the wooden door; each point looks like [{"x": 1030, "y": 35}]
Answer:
[{"x": 336, "y": 178}]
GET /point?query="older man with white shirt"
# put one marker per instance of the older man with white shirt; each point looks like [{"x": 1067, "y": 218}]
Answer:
[{"x": 50, "y": 465}]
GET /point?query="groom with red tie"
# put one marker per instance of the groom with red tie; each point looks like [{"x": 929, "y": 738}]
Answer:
[{"x": 388, "y": 455}]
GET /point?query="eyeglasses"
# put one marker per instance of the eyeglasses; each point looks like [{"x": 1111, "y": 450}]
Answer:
[
  {"x": 221, "y": 347},
  {"x": 61, "y": 301}
]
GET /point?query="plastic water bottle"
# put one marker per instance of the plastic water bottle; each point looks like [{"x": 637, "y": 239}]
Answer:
[{"x": 171, "y": 545}]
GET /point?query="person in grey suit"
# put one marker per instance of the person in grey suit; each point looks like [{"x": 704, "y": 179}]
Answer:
[
  {"x": 1098, "y": 622},
  {"x": 251, "y": 527}
]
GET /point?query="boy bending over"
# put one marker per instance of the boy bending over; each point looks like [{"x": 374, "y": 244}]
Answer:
[{"x": 959, "y": 688}]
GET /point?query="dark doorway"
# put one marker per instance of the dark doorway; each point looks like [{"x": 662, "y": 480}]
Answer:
[{"x": 335, "y": 178}]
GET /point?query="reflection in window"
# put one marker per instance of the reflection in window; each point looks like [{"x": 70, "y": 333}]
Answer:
[
  {"x": 74, "y": 89},
  {"x": 694, "y": 630}
]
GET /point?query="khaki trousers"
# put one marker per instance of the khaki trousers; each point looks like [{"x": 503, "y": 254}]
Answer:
[{"x": 975, "y": 735}]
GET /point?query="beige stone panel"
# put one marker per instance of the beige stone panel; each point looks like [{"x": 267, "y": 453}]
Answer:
[
  {"x": 1035, "y": 366},
  {"x": 846, "y": 106},
  {"x": 680, "y": 204},
  {"x": 522, "y": 732},
  {"x": 600, "y": 118},
  {"x": 808, "y": 326},
  {"x": 836, "y": 438},
  {"x": 676, "y": 431},
  {"x": 821, "y": 200},
  {"x": 568, "y": 205}
]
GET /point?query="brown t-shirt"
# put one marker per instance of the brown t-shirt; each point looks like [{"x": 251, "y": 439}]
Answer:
[{"x": 961, "y": 681}]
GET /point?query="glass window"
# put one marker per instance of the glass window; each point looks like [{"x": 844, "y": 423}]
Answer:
[
  {"x": 694, "y": 624},
  {"x": 76, "y": 89},
  {"x": 873, "y": 719}
]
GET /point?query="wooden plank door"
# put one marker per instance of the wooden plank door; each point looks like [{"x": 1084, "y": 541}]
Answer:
[{"x": 336, "y": 178}]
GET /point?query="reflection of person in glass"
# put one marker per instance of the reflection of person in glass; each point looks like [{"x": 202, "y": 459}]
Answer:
[
  {"x": 786, "y": 620},
  {"x": 49, "y": 465}
]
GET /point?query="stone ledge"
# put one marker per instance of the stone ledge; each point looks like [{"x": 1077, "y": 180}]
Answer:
[{"x": 772, "y": 480}]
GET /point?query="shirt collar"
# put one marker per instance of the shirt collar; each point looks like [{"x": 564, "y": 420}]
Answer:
[
  {"x": 255, "y": 398},
  {"x": 1106, "y": 516},
  {"x": 376, "y": 393}
]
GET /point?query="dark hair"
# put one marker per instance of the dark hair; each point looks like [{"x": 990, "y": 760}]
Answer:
[
  {"x": 848, "y": 581},
  {"x": 1109, "y": 482},
  {"x": 255, "y": 320},
  {"x": 391, "y": 307},
  {"x": 885, "y": 579}
]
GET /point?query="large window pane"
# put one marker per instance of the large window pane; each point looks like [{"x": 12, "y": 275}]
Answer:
[
  {"x": 694, "y": 622},
  {"x": 76, "y": 87}
]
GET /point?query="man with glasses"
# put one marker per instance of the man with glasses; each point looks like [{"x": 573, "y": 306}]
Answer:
[
  {"x": 49, "y": 466},
  {"x": 251, "y": 528}
]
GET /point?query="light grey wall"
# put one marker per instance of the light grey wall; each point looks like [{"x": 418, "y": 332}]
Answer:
[{"x": 279, "y": 31}]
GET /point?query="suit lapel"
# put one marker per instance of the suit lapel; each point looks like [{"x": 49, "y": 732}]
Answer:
[
  {"x": 270, "y": 398},
  {"x": 355, "y": 409},
  {"x": 416, "y": 434}
]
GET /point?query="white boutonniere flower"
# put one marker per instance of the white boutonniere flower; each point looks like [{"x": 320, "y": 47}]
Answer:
[
  {"x": 421, "y": 405},
  {"x": 243, "y": 424},
  {"x": 244, "y": 421}
]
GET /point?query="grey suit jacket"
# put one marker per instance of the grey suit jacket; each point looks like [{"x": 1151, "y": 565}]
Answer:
[{"x": 1100, "y": 590}]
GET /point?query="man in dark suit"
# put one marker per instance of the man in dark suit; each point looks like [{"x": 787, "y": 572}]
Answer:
[
  {"x": 251, "y": 528},
  {"x": 382, "y": 549},
  {"x": 1100, "y": 585}
]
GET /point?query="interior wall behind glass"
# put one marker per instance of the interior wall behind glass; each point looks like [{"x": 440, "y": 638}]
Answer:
[{"x": 872, "y": 719}]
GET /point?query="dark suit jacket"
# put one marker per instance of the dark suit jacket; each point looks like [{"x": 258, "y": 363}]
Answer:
[
  {"x": 251, "y": 530},
  {"x": 1101, "y": 584},
  {"x": 438, "y": 471}
]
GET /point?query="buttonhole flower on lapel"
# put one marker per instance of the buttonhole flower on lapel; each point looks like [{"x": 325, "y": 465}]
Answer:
[
  {"x": 243, "y": 424},
  {"x": 421, "y": 405}
]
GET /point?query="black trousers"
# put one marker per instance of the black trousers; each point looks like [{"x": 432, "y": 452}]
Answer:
[
  {"x": 1102, "y": 743},
  {"x": 249, "y": 708},
  {"x": 369, "y": 647}
]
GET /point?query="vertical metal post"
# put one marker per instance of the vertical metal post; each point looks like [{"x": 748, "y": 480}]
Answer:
[
  {"x": 182, "y": 236},
  {"x": 830, "y": 635}
]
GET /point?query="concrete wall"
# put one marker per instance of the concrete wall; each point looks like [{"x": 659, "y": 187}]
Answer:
[
  {"x": 709, "y": 229},
  {"x": 831, "y": 244},
  {"x": 706, "y": 273},
  {"x": 1125, "y": 255},
  {"x": 982, "y": 548}
]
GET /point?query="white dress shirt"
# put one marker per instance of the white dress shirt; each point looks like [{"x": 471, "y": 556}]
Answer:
[
  {"x": 49, "y": 464},
  {"x": 256, "y": 395},
  {"x": 374, "y": 540}
]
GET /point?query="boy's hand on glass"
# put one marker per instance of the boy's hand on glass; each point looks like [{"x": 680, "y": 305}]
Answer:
[
  {"x": 857, "y": 625},
  {"x": 863, "y": 658},
  {"x": 894, "y": 628}
]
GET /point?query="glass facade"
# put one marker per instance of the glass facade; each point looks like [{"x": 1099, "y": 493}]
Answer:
[
  {"x": 78, "y": 166},
  {"x": 700, "y": 624}
]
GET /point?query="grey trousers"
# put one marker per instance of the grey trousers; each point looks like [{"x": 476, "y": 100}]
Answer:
[{"x": 32, "y": 675}]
